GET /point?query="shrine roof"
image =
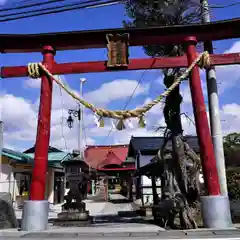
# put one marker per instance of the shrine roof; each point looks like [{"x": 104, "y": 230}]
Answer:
[
  {"x": 100, "y": 156},
  {"x": 151, "y": 145}
]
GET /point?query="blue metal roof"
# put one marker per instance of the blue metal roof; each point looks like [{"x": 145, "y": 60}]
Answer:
[
  {"x": 54, "y": 158},
  {"x": 17, "y": 156}
]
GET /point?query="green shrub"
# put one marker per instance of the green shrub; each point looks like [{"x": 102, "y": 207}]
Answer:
[{"x": 233, "y": 181}]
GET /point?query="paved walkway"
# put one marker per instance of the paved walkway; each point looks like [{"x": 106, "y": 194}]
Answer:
[
  {"x": 94, "y": 208},
  {"x": 122, "y": 231},
  {"x": 108, "y": 224}
]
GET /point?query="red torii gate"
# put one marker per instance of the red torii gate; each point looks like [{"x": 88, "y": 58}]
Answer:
[{"x": 49, "y": 43}]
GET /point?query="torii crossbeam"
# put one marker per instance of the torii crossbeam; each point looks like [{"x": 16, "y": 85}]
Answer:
[
  {"x": 134, "y": 64},
  {"x": 213, "y": 31}
]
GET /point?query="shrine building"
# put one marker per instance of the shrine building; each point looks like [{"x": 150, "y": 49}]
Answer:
[
  {"x": 113, "y": 168},
  {"x": 144, "y": 151},
  {"x": 16, "y": 173}
]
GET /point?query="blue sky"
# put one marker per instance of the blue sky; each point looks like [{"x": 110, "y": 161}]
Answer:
[{"x": 99, "y": 18}]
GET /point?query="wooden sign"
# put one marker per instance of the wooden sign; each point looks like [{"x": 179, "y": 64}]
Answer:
[{"x": 117, "y": 50}]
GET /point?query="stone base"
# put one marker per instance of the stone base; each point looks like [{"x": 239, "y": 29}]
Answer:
[
  {"x": 61, "y": 223},
  {"x": 73, "y": 219},
  {"x": 74, "y": 215},
  {"x": 73, "y": 206}
]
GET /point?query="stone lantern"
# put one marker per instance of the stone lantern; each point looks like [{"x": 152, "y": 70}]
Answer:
[{"x": 77, "y": 174}]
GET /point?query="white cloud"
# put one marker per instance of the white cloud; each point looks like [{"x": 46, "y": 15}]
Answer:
[
  {"x": 32, "y": 83},
  {"x": 123, "y": 137},
  {"x": 230, "y": 118},
  {"x": 20, "y": 119},
  {"x": 228, "y": 76},
  {"x": 231, "y": 109},
  {"x": 18, "y": 109},
  {"x": 115, "y": 90},
  {"x": 157, "y": 109},
  {"x": 2, "y": 2},
  {"x": 21, "y": 124}
]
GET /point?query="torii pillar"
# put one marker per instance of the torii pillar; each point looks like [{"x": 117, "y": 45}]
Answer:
[
  {"x": 35, "y": 211},
  {"x": 215, "y": 208}
]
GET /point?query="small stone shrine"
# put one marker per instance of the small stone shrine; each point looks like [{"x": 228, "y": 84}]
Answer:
[
  {"x": 74, "y": 209},
  {"x": 7, "y": 214}
]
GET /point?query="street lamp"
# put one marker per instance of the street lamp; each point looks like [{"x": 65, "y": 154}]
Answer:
[
  {"x": 75, "y": 113},
  {"x": 78, "y": 114}
]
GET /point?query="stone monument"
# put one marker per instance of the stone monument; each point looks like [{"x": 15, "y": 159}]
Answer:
[
  {"x": 74, "y": 209},
  {"x": 7, "y": 214}
]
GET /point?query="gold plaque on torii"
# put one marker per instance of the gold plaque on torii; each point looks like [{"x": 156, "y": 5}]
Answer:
[{"x": 117, "y": 50}]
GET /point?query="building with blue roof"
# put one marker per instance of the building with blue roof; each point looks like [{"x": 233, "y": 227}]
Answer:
[{"x": 16, "y": 169}]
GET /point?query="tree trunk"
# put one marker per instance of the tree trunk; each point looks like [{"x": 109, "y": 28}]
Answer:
[{"x": 178, "y": 171}]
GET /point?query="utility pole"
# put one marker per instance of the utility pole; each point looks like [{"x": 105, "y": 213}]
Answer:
[
  {"x": 1, "y": 149},
  {"x": 1, "y": 137},
  {"x": 82, "y": 81},
  {"x": 211, "y": 218},
  {"x": 213, "y": 102}
]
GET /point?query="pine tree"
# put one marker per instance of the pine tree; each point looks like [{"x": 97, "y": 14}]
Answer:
[{"x": 180, "y": 178}]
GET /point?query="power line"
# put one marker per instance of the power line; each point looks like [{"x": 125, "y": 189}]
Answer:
[
  {"x": 30, "y": 5},
  {"x": 130, "y": 98},
  {"x": 68, "y": 7},
  {"x": 218, "y": 5},
  {"x": 27, "y": 1},
  {"x": 224, "y": 6},
  {"x": 128, "y": 101},
  {"x": 62, "y": 120},
  {"x": 62, "y": 9},
  {"x": 85, "y": 131},
  {"x": 46, "y": 9}
]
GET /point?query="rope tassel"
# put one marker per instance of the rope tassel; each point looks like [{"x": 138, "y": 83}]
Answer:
[
  {"x": 34, "y": 70},
  {"x": 142, "y": 122},
  {"x": 113, "y": 124},
  {"x": 120, "y": 125},
  {"x": 129, "y": 123},
  {"x": 101, "y": 122},
  {"x": 205, "y": 61}
]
